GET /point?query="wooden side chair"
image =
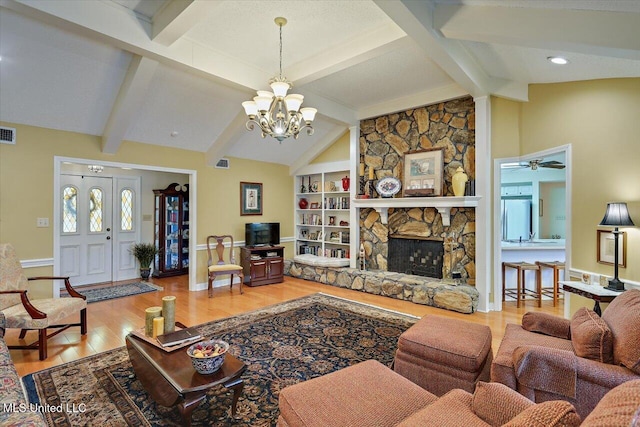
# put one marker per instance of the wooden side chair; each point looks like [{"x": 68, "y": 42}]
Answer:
[
  {"x": 220, "y": 267},
  {"x": 38, "y": 314}
]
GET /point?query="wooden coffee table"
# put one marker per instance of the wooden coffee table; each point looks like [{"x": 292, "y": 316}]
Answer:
[{"x": 170, "y": 378}]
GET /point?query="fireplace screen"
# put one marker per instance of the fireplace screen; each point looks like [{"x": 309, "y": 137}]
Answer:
[{"x": 416, "y": 256}]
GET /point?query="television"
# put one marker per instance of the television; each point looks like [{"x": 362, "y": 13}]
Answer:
[{"x": 262, "y": 233}]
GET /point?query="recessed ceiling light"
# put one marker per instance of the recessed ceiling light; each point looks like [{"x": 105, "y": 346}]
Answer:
[
  {"x": 174, "y": 133},
  {"x": 558, "y": 60}
]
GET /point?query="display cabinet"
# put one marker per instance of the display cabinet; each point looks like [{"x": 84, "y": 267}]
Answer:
[
  {"x": 322, "y": 214},
  {"x": 171, "y": 230}
]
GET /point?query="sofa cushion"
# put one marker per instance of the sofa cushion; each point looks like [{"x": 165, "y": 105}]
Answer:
[
  {"x": 496, "y": 403},
  {"x": 591, "y": 337},
  {"x": 618, "y": 407},
  {"x": 547, "y": 324},
  {"x": 554, "y": 413},
  {"x": 321, "y": 261},
  {"x": 623, "y": 318},
  {"x": 502, "y": 369},
  {"x": 451, "y": 410}
]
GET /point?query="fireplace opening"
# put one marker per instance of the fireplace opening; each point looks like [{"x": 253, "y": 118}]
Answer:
[{"x": 420, "y": 257}]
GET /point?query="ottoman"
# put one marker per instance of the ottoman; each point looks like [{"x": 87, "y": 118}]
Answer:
[
  {"x": 367, "y": 394},
  {"x": 441, "y": 354}
]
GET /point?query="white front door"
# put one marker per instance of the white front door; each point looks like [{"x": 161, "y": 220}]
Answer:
[{"x": 86, "y": 231}]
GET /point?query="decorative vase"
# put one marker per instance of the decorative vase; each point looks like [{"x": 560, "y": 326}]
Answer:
[
  {"x": 458, "y": 182},
  {"x": 345, "y": 183},
  {"x": 303, "y": 203},
  {"x": 145, "y": 273},
  {"x": 169, "y": 313},
  {"x": 150, "y": 314}
]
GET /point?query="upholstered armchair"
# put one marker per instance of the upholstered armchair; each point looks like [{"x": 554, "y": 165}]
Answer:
[
  {"x": 20, "y": 312},
  {"x": 578, "y": 360}
]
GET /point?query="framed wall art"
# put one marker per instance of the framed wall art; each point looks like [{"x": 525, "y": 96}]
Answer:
[
  {"x": 250, "y": 198},
  {"x": 606, "y": 248},
  {"x": 423, "y": 173}
]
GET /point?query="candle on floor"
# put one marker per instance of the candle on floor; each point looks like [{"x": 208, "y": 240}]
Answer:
[
  {"x": 158, "y": 326},
  {"x": 150, "y": 314}
]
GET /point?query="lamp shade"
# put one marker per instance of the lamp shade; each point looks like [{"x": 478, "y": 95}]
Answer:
[
  {"x": 308, "y": 113},
  {"x": 250, "y": 108},
  {"x": 293, "y": 101},
  {"x": 617, "y": 215}
]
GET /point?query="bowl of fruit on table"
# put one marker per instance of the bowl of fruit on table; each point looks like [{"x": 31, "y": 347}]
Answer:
[{"x": 208, "y": 356}]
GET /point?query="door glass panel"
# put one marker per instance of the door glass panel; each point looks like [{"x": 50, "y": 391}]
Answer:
[
  {"x": 95, "y": 210},
  {"x": 69, "y": 209},
  {"x": 126, "y": 210}
]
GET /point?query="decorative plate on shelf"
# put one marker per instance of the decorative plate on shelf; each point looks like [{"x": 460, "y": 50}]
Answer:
[{"x": 388, "y": 186}]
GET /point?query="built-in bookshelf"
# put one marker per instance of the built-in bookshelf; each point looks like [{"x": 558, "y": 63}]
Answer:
[{"x": 322, "y": 212}]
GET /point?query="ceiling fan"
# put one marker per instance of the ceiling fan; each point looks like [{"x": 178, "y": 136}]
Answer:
[{"x": 535, "y": 164}]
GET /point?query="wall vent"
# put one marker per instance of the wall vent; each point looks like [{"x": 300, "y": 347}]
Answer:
[
  {"x": 222, "y": 164},
  {"x": 7, "y": 135}
]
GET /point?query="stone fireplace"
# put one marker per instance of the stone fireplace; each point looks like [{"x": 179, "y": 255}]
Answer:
[
  {"x": 421, "y": 257},
  {"x": 383, "y": 142}
]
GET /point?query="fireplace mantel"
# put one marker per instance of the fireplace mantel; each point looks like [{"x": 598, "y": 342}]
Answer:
[{"x": 442, "y": 204}]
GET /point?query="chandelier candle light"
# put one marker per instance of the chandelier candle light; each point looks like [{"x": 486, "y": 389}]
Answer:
[{"x": 279, "y": 115}]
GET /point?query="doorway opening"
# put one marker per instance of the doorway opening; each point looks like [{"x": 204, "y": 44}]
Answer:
[
  {"x": 542, "y": 181},
  {"x": 143, "y": 217}
]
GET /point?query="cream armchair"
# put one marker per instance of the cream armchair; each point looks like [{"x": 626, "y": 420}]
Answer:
[{"x": 39, "y": 314}]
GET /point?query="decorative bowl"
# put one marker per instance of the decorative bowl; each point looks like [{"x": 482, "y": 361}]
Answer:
[{"x": 208, "y": 356}]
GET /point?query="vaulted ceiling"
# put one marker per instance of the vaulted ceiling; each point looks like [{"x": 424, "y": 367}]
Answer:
[{"x": 175, "y": 72}]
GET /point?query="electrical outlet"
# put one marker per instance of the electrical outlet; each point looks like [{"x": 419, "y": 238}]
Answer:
[{"x": 42, "y": 222}]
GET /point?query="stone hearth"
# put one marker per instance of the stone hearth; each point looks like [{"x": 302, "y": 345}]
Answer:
[{"x": 417, "y": 289}]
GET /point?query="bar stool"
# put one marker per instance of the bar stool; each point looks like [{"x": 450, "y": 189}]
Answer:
[
  {"x": 521, "y": 292},
  {"x": 550, "y": 291}
]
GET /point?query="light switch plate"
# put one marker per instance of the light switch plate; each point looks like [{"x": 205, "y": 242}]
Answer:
[{"x": 42, "y": 222}]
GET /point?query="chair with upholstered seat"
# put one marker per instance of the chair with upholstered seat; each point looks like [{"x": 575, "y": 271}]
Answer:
[
  {"x": 38, "y": 314},
  {"x": 220, "y": 267}
]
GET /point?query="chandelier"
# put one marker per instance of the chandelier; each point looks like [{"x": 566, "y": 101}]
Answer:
[{"x": 279, "y": 115}]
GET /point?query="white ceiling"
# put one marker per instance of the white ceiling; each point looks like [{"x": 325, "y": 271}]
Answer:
[{"x": 141, "y": 70}]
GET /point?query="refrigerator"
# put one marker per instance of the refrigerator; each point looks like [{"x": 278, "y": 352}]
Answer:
[{"x": 516, "y": 218}]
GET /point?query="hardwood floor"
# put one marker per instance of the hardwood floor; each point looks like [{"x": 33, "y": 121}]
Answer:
[{"x": 110, "y": 321}]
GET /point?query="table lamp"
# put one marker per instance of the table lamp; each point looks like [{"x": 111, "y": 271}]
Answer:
[{"x": 617, "y": 215}]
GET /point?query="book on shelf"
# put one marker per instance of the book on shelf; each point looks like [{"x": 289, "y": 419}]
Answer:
[{"x": 179, "y": 337}]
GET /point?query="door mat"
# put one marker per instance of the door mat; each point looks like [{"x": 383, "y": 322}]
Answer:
[{"x": 115, "y": 291}]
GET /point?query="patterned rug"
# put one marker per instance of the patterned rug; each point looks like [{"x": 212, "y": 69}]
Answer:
[
  {"x": 115, "y": 291},
  {"x": 281, "y": 345}
]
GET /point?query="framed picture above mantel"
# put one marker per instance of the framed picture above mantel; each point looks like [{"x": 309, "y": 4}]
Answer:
[{"x": 423, "y": 173}]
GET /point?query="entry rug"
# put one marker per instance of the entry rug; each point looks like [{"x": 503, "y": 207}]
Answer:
[
  {"x": 115, "y": 291},
  {"x": 282, "y": 345}
]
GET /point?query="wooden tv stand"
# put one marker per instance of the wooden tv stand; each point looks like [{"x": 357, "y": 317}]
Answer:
[{"x": 262, "y": 265}]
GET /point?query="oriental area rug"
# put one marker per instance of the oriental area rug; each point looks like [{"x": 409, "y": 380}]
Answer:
[
  {"x": 281, "y": 345},
  {"x": 115, "y": 291}
]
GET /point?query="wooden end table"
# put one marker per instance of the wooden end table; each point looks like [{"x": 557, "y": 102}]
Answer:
[
  {"x": 171, "y": 380},
  {"x": 594, "y": 292}
]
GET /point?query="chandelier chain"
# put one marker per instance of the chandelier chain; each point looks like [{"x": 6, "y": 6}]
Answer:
[{"x": 280, "y": 51}]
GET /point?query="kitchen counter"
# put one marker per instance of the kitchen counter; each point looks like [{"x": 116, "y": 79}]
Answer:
[{"x": 535, "y": 245}]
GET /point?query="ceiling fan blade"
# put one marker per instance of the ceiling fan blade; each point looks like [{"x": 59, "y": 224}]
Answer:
[{"x": 554, "y": 164}]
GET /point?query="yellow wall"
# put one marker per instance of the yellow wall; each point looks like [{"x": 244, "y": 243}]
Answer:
[
  {"x": 600, "y": 120},
  {"x": 26, "y": 193},
  {"x": 337, "y": 151}
]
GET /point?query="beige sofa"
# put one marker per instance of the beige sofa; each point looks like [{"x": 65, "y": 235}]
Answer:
[
  {"x": 370, "y": 394},
  {"x": 14, "y": 408}
]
